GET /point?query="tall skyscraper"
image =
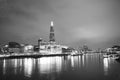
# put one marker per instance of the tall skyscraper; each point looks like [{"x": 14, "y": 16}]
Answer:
[{"x": 52, "y": 35}]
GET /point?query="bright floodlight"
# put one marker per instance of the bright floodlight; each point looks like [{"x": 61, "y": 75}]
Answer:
[{"x": 52, "y": 23}]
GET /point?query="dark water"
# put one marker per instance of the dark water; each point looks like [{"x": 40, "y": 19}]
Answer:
[{"x": 86, "y": 67}]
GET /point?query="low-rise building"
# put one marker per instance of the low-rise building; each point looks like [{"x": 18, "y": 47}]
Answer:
[
  {"x": 14, "y": 47},
  {"x": 28, "y": 48}
]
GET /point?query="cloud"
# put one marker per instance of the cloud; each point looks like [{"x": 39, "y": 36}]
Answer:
[{"x": 95, "y": 21}]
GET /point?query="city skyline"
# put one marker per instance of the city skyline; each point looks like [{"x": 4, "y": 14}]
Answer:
[{"x": 92, "y": 22}]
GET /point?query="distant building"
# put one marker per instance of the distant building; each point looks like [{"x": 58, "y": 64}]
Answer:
[
  {"x": 64, "y": 50},
  {"x": 50, "y": 47},
  {"x": 109, "y": 50},
  {"x": 4, "y": 49},
  {"x": 42, "y": 44},
  {"x": 35, "y": 48},
  {"x": 116, "y": 47},
  {"x": 14, "y": 47},
  {"x": 1, "y": 49},
  {"x": 28, "y": 48},
  {"x": 52, "y": 35}
]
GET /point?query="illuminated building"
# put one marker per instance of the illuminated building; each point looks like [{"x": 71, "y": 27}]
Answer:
[
  {"x": 28, "y": 48},
  {"x": 51, "y": 47},
  {"x": 52, "y": 34}
]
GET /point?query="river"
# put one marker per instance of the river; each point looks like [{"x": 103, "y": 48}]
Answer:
[{"x": 84, "y": 67}]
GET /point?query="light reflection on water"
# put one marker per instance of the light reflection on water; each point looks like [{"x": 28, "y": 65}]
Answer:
[
  {"x": 77, "y": 61},
  {"x": 4, "y": 66},
  {"x": 28, "y": 66},
  {"x": 49, "y": 65},
  {"x": 106, "y": 65}
]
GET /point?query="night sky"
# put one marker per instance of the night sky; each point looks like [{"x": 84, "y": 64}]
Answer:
[{"x": 76, "y": 22}]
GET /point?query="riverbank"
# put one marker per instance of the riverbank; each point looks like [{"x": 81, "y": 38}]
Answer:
[{"x": 28, "y": 55}]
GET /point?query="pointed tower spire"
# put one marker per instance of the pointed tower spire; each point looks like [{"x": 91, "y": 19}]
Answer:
[{"x": 52, "y": 35}]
